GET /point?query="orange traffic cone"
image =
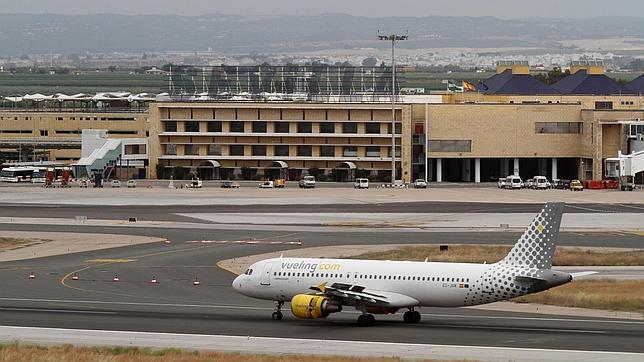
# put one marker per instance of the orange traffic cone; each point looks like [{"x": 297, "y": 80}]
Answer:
[{"x": 116, "y": 278}]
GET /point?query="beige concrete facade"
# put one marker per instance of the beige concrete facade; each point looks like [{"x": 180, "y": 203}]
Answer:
[
  {"x": 55, "y": 135},
  {"x": 472, "y": 137}
]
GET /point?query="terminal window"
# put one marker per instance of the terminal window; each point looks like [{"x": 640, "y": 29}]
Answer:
[
  {"x": 214, "y": 150},
  {"x": 604, "y": 105},
  {"x": 171, "y": 126},
  {"x": 259, "y": 150},
  {"x": 450, "y": 146},
  {"x": 327, "y": 151},
  {"x": 558, "y": 127},
  {"x": 214, "y": 126},
  {"x": 259, "y": 127},
  {"x": 304, "y": 127},
  {"x": 237, "y": 126},
  {"x": 350, "y": 151},
  {"x": 281, "y": 127},
  {"x": 192, "y": 150},
  {"x": 373, "y": 151},
  {"x": 170, "y": 149},
  {"x": 281, "y": 150},
  {"x": 192, "y": 126},
  {"x": 373, "y": 128},
  {"x": 327, "y": 127},
  {"x": 305, "y": 150},
  {"x": 236, "y": 150},
  {"x": 349, "y": 127}
]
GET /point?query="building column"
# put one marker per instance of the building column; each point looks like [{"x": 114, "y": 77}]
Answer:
[
  {"x": 477, "y": 170},
  {"x": 554, "y": 168},
  {"x": 466, "y": 170},
  {"x": 439, "y": 170},
  {"x": 515, "y": 172},
  {"x": 430, "y": 169}
]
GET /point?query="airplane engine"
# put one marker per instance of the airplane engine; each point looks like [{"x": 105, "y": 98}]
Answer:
[{"x": 313, "y": 306}]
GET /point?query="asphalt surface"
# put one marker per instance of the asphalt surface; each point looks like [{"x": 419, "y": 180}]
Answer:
[
  {"x": 168, "y": 213},
  {"x": 94, "y": 301}
]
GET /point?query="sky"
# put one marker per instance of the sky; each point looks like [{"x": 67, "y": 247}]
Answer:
[{"x": 371, "y": 8}]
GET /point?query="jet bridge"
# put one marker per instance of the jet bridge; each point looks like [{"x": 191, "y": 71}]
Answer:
[{"x": 625, "y": 168}]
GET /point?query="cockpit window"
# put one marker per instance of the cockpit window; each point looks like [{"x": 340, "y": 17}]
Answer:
[{"x": 248, "y": 272}]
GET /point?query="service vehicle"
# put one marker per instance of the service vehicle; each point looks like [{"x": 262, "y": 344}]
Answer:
[
  {"x": 317, "y": 288},
  {"x": 16, "y": 174},
  {"x": 575, "y": 185},
  {"x": 266, "y": 185},
  {"x": 513, "y": 183},
  {"x": 420, "y": 184},
  {"x": 131, "y": 184},
  {"x": 229, "y": 184},
  {"x": 541, "y": 183},
  {"x": 195, "y": 184},
  {"x": 361, "y": 183},
  {"x": 307, "y": 182},
  {"x": 501, "y": 183},
  {"x": 115, "y": 183}
]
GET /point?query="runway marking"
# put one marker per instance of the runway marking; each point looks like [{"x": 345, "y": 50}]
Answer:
[
  {"x": 224, "y": 306},
  {"x": 249, "y": 242},
  {"x": 585, "y": 208},
  {"x": 55, "y": 311},
  {"x": 631, "y": 206},
  {"x": 110, "y": 261}
]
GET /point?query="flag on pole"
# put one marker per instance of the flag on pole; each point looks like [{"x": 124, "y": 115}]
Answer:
[
  {"x": 452, "y": 87},
  {"x": 468, "y": 87}
]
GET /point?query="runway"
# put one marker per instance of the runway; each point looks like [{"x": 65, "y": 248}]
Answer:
[
  {"x": 171, "y": 212},
  {"x": 174, "y": 305}
]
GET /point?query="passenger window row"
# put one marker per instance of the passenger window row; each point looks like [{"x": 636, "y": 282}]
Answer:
[{"x": 373, "y": 277}]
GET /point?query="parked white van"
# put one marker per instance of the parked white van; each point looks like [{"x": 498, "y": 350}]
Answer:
[
  {"x": 513, "y": 182},
  {"x": 361, "y": 183},
  {"x": 541, "y": 182}
]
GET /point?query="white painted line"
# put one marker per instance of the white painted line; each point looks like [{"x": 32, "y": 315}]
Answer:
[{"x": 272, "y": 345}]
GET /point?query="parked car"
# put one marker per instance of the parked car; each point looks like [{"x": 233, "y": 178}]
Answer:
[
  {"x": 501, "y": 183},
  {"x": 307, "y": 182},
  {"x": 195, "y": 184},
  {"x": 116, "y": 183},
  {"x": 575, "y": 185},
  {"x": 541, "y": 182},
  {"x": 361, "y": 183},
  {"x": 513, "y": 183},
  {"x": 229, "y": 185},
  {"x": 131, "y": 183},
  {"x": 266, "y": 185},
  {"x": 561, "y": 184},
  {"x": 529, "y": 183},
  {"x": 420, "y": 184}
]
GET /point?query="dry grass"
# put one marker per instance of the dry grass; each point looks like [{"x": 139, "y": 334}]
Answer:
[
  {"x": 625, "y": 295},
  {"x": 68, "y": 353},
  {"x": 8, "y": 243},
  {"x": 494, "y": 253}
]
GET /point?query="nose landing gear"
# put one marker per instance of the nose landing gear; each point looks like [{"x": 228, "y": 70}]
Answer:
[{"x": 277, "y": 315}]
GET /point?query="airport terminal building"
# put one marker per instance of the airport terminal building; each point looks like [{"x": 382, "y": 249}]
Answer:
[{"x": 512, "y": 124}]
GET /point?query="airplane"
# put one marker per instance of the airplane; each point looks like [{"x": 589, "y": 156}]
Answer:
[{"x": 316, "y": 288}]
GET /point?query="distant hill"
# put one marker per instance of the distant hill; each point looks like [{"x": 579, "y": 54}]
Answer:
[{"x": 42, "y": 33}]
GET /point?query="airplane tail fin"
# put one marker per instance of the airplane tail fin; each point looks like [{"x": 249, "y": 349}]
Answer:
[{"x": 536, "y": 247}]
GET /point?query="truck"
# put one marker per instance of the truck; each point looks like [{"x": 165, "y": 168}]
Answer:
[{"x": 624, "y": 168}]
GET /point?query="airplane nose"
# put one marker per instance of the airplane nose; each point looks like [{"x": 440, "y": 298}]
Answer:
[{"x": 237, "y": 283}]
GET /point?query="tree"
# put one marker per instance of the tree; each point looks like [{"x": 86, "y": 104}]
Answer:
[
  {"x": 369, "y": 62},
  {"x": 553, "y": 76}
]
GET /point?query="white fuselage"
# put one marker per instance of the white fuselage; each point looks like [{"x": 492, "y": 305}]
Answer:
[{"x": 426, "y": 283}]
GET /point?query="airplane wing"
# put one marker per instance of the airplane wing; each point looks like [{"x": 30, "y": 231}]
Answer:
[{"x": 354, "y": 293}]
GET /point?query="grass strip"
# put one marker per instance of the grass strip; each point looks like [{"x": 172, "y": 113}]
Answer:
[{"x": 494, "y": 253}]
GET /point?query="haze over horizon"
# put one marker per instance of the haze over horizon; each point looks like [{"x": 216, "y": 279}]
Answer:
[{"x": 369, "y": 8}]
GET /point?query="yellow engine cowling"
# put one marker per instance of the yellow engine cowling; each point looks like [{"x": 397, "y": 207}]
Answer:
[{"x": 313, "y": 306}]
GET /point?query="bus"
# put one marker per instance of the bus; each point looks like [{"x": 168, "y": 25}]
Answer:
[{"x": 16, "y": 174}]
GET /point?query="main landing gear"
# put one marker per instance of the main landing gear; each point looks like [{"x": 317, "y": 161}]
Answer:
[
  {"x": 411, "y": 316},
  {"x": 277, "y": 315},
  {"x": 366, "y": 320}
]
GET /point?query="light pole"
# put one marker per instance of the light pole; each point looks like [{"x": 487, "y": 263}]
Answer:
[{"x": 393, "y": 38}]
